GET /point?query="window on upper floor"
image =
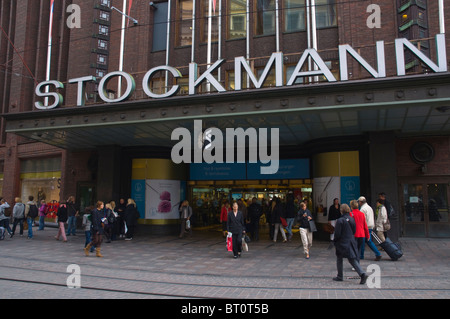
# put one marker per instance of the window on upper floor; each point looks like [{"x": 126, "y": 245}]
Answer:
[
  {"x": 294, "y": 15},
  {"x": 205, "y": 21},
  {"x": 237, "y": 21},
  {"x": 264, "y": 17},
  {"x": 184, "y": 22}
]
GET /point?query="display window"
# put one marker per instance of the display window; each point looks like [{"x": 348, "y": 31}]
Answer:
[{"x": 41, "y": 178}]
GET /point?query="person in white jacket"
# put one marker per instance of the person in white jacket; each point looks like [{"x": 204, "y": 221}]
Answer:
[
  {"x": 381, "y": 221},
  {"x": 368, "y": 212}
]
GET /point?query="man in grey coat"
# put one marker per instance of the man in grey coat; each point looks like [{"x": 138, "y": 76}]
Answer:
[{"x": 345, "y": 243}]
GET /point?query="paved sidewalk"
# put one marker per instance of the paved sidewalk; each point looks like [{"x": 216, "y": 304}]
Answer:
[{"x": 200, "y": 267}]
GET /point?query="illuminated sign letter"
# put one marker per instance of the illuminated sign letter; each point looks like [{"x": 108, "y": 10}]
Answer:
[
  {"x": 81, "y": 99},
  {"x": 441, "y": 55},
  {"x": 194, "y": 80},
  {"x": 323, "y": 69},
  {"x": 276, "y": 57},
  {"x": 131, "y": 85},
  {"x": 343, "y": 49},
  {"x": 149, "y": 75},
  {"x": 58, "y": 97}
]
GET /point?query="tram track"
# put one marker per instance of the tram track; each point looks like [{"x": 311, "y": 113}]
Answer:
[{"x": 195, "y": 285}]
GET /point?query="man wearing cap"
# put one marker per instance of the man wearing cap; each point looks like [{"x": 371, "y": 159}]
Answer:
[{"x": 368, "y": 212}]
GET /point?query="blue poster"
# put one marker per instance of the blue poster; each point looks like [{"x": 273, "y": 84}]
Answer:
[
  {"x": 349, "y": 189},
  {"x": 217, "y": 171},
  {"x": 138, "y": 194},
  {"x": 287, "y": 169}
]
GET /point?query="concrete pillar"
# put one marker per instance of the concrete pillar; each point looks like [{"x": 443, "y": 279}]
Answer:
[
  {"x": 383, "y": 175},
  {"x": 108, "y": 174}
]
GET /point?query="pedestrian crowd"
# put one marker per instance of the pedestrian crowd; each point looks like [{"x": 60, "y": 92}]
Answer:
[
  {"x": 110, "y": 221},
  {"x": 351, "y": 227}
]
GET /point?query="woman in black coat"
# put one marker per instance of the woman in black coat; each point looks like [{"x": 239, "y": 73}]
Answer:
[
  {"x": 236, "y": 226},
  {"x": 98, "y": 222},
  {"x": 62, "y": 219},
  {"x": 345, "y": 243},
  {"x": 131, "y": 216}
]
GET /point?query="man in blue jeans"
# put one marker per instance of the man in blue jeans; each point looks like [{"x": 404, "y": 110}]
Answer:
[
  {"x": 72, "y": 213},
  {"x": 370, "y": 219}
]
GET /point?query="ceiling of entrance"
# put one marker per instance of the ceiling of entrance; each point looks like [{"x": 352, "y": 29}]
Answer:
[
  {"x": 294, "y": 129},
  {"x": 416, "y": 106}
]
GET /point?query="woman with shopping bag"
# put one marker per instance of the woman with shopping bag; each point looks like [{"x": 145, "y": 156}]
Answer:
[{"x": 236, "y": 226}]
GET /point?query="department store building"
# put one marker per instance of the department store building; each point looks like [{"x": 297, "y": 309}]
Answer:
[{"x": 359, "y": 94}]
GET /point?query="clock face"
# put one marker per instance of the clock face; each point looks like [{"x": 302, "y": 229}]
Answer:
[{"x": 421, "y": 152}]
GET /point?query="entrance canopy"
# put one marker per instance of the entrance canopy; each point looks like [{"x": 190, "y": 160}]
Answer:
[{"x": 409, "y": 105}]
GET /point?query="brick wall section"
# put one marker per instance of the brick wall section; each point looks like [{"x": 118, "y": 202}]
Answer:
[{"x": 439, "y": 166}]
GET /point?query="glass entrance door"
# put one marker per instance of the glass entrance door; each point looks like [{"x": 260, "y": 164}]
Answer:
[{"x": 425, "y": 209}]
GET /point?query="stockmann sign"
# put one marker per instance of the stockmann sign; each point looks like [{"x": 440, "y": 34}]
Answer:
[{"x": 240, "y": 65}]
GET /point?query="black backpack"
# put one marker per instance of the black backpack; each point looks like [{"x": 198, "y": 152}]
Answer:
[{"x": 33, "y": 212}]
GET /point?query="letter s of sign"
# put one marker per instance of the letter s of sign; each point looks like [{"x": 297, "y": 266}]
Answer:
[
  {"x": 74, "y": 280},
  {"x": 58, "y": 97}
]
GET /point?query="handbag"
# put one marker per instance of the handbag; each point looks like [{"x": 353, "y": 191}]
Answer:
[
  {"x": 312, "y": 226},
  {"x": 229, "y": 243},
  {"x": 387, "y": 225},
  {"x": 328, "y": 228},
  {"x": 283, "y": 221},
  {"x": 188, "y": 224}
]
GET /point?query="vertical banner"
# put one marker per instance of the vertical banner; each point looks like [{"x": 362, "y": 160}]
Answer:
[
  {"x": 349, "y": 189},
  {"x": 138, "y": 194}
]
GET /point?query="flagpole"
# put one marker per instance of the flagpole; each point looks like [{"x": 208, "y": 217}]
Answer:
[
  {"x": 193, "y": 32},
  {"x": 441, "y": 17},
  {"x": 122, "y": 48},
  {"x": 208, "y": 58},
  {"x": 166, "y": 79},
  {"x": 219, "y": 40},
  {"x": 49, "y": 48},
  {"x": 247, "y": 38},
  {"x": 314, "y": 33},
  {"x": 277, "y": 26}
]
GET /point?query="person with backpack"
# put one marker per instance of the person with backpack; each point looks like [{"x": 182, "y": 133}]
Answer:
[
  {"x": 19, "y": 216},
  {"x": 31, "y": 212}
]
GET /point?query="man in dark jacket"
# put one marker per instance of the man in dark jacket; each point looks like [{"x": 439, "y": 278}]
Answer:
[
  {"x": 345, "y": 244},
  {"x": 254, "y": 213}
]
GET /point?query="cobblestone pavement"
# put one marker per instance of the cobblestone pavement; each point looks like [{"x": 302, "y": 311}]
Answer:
[{"x": 200, "y": 267}]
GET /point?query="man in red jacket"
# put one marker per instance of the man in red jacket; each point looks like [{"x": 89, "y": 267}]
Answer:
[{"x": 362, "y": 232}]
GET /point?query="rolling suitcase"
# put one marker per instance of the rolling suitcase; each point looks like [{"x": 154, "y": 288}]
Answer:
[{"x": 394, "y": 250}]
